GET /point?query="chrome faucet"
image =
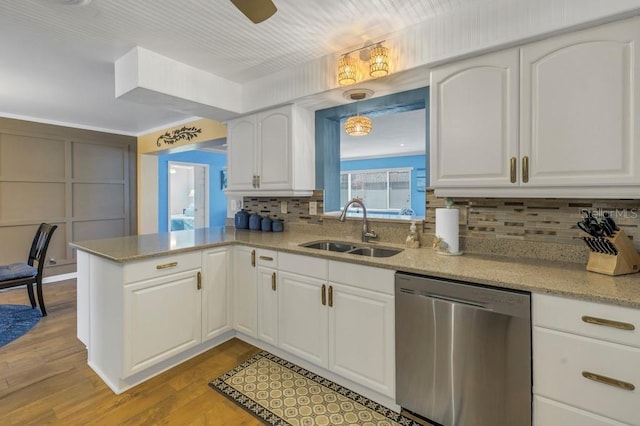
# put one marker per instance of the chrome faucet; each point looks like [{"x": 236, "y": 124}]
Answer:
[{"x": 366, "y": 232}]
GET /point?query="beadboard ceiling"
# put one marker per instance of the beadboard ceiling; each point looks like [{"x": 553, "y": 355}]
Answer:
[{"x": 57, "y": 61}]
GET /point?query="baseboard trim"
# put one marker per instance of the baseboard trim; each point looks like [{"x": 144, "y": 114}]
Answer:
[{"x": 61, "y": 277}]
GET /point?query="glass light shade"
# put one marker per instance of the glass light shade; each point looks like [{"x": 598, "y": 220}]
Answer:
[
  {"x": 379, "y": 62},
  {"x": 358, "y": 125},
  {"x": 347, "y": 70}
]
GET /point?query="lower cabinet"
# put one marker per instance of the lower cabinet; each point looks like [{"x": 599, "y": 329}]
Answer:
[
  {"x": 339, "y": 316},
  {"x": 245, "y": 318},
  {"x": 267, "y": 287},
  {"x": 216, "y": 294},
  {"x": 162, "y": 318},
  {"x": 585, "y": 362}
]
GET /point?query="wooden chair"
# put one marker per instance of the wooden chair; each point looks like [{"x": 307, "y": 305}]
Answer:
[{"x": 18, "y": 274}]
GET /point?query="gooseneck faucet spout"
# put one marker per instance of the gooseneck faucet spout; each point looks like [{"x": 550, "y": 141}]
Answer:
[{"x": 366, "y": 232}]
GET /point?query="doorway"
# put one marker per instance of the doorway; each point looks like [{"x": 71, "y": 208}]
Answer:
[{"x": 188, "y": 195}]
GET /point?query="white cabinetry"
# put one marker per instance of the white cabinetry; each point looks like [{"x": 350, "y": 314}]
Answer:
[
  {"x": 272, "y": 152},
  {"x": 216, "y": 297},
  {"x": 585, "y": 358},
  {"x": 302, "y": 307},
  {"x": 267, "y": 296},
  {"x": 362, "y": 321},
  {"x": 245, "y": 293},
  {"x": 474, "y": 121},
  {"x": 563, "y": 123}
]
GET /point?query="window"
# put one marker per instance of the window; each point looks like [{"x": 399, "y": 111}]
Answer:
[{"x": 383, "y": 189}]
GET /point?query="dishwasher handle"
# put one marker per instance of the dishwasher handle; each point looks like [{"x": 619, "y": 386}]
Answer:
[{"x": 456, "y": 300}]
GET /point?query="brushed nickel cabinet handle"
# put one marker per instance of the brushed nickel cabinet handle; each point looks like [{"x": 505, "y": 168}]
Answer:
[
  {"x": 273, "y": 281},
  {"x": 608, "y": 323},
  {"x": 254, "y": 180},
  {"x": 167, "y": 265},
  {"x": 525, "y": 169},
  {"x": 258, "y": 180},
  {"x": 253, "y": 258},
  {"x": 199, "y": 278},
  {"x": 269, "y": 258},
  {"x": 330, "y": 296},
  {"x": 324, "y": 295},
  {"x": 514, "y": 164},
  {"x": 608, "y": 381}
]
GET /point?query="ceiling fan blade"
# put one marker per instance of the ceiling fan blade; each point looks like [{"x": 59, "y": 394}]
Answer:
[{"x": 256, "y": 10}]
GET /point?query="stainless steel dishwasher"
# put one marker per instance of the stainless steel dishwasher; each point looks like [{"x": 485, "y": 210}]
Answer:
[{"x": 463, "y": 352}]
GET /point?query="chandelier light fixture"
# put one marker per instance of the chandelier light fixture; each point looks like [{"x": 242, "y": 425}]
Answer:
[
  {"x": 358, "y": 125},
  {"x": 377, "y": 55}
]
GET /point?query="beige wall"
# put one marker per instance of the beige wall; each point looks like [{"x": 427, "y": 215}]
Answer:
[{"x": 81, "y": 180}]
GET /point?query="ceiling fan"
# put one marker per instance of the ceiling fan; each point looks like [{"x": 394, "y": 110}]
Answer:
[{"x": 256, "y": 10}]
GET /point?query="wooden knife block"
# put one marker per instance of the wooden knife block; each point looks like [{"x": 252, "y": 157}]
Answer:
[{"x": 627, "y": 261}]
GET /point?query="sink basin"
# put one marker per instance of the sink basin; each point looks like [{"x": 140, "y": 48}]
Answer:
[
  {"x": 329, "y": 246},
  {"x": 375, "y": 251},
  {"x": 343, "y": 247}
]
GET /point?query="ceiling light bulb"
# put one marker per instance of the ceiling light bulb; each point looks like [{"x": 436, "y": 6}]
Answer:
[
  {"x": 379, "y": 61},
  {"x": 347, "y": 70}
]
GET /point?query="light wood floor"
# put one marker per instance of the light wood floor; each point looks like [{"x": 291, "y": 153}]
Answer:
[{"x": 44, "y": 378}]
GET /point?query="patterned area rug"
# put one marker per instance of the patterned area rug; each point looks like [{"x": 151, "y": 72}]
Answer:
[
  {"x": 281, "y": 393},
  {"x": 16, "y": 320}
]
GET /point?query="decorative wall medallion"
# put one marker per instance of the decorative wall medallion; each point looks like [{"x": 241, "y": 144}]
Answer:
[{"x": 183, "y": 133}]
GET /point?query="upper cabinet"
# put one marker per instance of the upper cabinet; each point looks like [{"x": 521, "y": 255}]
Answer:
[
  {"x": 272, "y": 153},
  {"x": 553, "y": 118}
]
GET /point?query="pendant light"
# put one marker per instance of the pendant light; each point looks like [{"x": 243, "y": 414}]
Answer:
[
  {"x": 375, "y": 54},
  {"x": 347, "y": 70},
  {"x": 379, "y": 61},
  {"x": 358, "y": 125}
]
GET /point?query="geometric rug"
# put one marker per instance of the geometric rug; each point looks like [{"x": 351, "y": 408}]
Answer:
[
  {"x": 16, "y": 320},
  {"x": 282, "y": 393}
]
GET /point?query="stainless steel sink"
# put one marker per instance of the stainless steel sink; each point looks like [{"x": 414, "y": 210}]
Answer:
[
  {"x": 375, "y": 251},
  {"x": 329, "y": 246},
  {"x": 343, "y": 247}
]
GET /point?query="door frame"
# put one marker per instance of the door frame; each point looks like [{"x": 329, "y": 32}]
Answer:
[{"x": 205, "y": 189}]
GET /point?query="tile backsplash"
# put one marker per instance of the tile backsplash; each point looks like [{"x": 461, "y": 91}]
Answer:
[{"x": 541, "y": 228}]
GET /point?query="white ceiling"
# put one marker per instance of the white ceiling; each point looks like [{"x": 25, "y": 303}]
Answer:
[{"x": 57, "y": 60}]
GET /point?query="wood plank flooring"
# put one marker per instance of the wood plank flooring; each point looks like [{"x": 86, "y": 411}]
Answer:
[{"x": 45, "y": 379}]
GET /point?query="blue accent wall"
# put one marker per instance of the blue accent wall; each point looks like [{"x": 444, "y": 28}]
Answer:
[
  {"x": 217, "y": 198},
  {"x": 415, "y": 161}
]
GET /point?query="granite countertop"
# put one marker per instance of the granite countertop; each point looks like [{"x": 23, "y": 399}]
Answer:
[{"x": 566, "y": 279}]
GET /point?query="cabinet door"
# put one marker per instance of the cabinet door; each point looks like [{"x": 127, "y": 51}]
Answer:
[
  {"x": 474, "y": 121},
  {"x": 547, "y": 412},
  {"x": 241, "y": 153},
  {"x": 245, "y": 292},
  {"x": 362, "y": 322},
  {"x": 579, "y": 118},
  {"x": 303, "y": 318},
  {"x": 267, "y": 305},
  {"x": 162, "y": 318},
  {"x": 216, "y": 300},
  {"x": 274, "y": 150}
]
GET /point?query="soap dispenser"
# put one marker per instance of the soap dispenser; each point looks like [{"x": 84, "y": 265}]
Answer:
[{"x": 413, "y": 241}]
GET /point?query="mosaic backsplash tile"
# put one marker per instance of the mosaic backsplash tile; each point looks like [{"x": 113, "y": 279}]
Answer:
[{"x": 534, "y": 228}]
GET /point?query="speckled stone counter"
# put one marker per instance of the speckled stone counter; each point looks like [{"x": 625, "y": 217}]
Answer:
[{"x": 566, "y": 279}]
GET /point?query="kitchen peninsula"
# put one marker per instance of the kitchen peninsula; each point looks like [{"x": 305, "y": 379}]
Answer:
[{"x": 147, "y": 303}]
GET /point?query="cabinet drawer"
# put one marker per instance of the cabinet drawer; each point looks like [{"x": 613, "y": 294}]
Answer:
[
  {"x": 616, "y": 324},
  {"x": 161, "y": 266},
  {"x": 366, "y": 277},
  {"x": 551, "y": 413},
  {"x": 267, "y": 258},
  {"x": 303, "y": 265},
  {"x": 561, "y": 359}
]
